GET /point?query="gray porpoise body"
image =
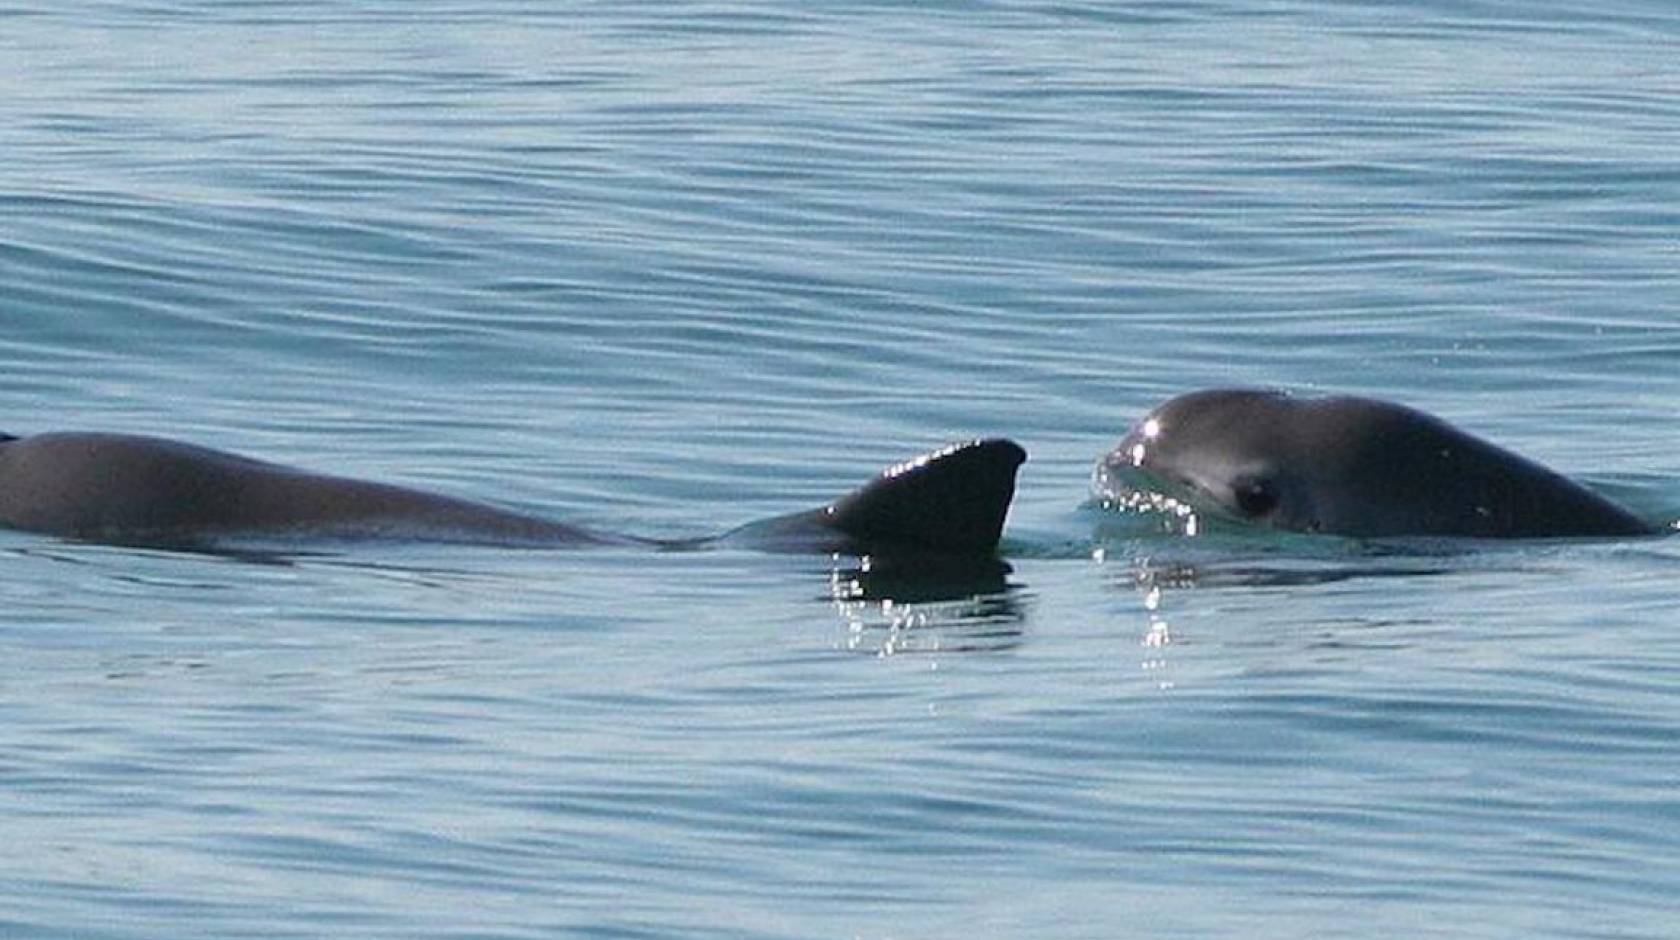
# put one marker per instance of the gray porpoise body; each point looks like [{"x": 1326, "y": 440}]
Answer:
[
  {"x": 1352, "y": 466},
  {"x": 135, "y": 490}
]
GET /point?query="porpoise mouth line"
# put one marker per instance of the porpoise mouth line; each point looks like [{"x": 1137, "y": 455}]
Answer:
[{"x": 1147, "y": 487}]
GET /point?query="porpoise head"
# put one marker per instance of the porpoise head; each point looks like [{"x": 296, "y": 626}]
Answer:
[
  {"x": 1347, "y": 466},
  {"x": 1226, "y": 450}
]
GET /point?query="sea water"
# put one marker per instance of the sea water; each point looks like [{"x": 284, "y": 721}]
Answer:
[{"x": 665, "y": 268}]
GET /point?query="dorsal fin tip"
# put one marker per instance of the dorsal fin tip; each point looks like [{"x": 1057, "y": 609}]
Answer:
[{"x": 998, "y": 446}]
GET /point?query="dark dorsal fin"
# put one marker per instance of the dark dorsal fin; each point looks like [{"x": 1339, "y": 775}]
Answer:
[{"x": 952, "y": 500}]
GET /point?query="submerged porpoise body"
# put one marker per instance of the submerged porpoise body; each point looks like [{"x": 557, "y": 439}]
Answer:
[
  {"x": 137, "y": 490},
  {"x": 1351, "y": 466}
]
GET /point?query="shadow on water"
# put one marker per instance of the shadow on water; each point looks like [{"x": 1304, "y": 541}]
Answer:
[
  {"x": 927, "y": 605},
  {"x": 888, "y": 604},
  {"x": 1183, "y": 551},
  {"x": 1172, "y": 570}
]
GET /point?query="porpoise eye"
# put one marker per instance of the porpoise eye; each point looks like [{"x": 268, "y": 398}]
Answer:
[{"x": 1254, "y": 496}]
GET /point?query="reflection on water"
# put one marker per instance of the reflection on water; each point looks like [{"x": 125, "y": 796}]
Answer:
[
  {"x": 1249, "y": 569},
  {"x": 1155, "y": 574},
  {"x": 927, "y": 605}
]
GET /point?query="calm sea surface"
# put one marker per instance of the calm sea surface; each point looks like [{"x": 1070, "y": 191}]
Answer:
[{"x": 666, "y": 268}]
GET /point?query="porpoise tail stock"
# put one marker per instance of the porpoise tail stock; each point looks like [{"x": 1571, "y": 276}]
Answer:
[{"x": 134, "y": 490}]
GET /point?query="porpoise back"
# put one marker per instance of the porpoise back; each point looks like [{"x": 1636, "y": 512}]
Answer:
[{"x": 132, "y": 489}]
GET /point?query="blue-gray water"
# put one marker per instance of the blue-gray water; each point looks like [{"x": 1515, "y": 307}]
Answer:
[{"x": 668, "y": 267}]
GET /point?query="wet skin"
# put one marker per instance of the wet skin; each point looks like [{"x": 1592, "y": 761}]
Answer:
[
  {"x": 137, "y": 490},
  {"x": 1352, "y": 466}
]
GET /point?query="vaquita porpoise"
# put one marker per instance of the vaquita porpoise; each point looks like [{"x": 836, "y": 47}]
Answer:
[
  {"x": 134, "y": 490},
  {"x": 1350, "y": 466}
]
